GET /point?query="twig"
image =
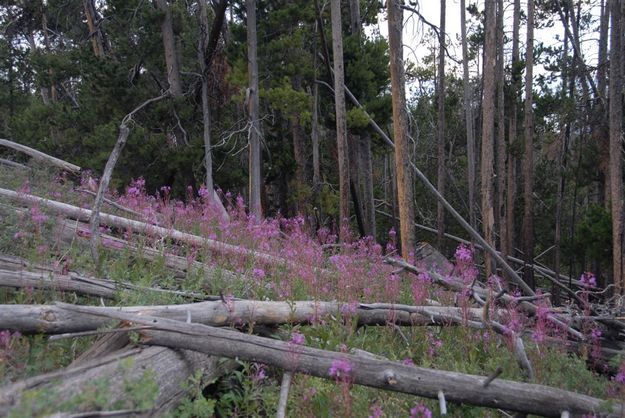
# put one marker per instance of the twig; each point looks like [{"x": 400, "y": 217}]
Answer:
[
  {"x": 492, "y": 377},
  {"x": 284, "y": 394}
]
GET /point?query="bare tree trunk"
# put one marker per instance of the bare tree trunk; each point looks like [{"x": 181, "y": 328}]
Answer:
[
  {"x": 94, "y": 220},
  {"x": 95, "y": 33},
  {"x": 511, "y": 174},
  {"x": 354, "y": 16},
  {"x": 366, "y": 164},
  {"x": 341, "y": 124},
  {"x": 169, "y": 45},
  {"x": 400, "y": 129},
  {"x": 488, "y": 131},
  {"x": 616, "y": 146},
  {"x": 206, "y": 117},
  {"x": 500, "y": 209},
  {"x": 528, "y": 158},
  {"x": 602, "y": 65},
  {"x": 253, "y": 108},
  {"x": 46, "y": 42},
  {"x": 468, "y": 113},
  {"x": 440, "y": 132}
]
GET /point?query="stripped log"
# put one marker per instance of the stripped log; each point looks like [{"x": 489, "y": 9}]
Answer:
[
  {"x": 69, "y": 230},
  {"x": 51, "y": 319},
  {"x": 40, "y": 156},
  {"x": 395, "y": 376},
  {"x": 167, "y": 369},
  {"x": 142, "y": 227}
]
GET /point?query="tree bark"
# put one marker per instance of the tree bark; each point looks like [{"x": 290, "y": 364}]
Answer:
[
  {"x": 341, "y": 123},
  {"x": 395, "y": 376},
  {"x": 253, "y": 111},
  {"x": 366, "y": 164},
  {"x": 488, "y": 132},
  {"x": 440, "y": 131},
  {"x": 40, "y": 156},
  {"x": 528, "y": 157},
  {"x": 468, "y": 114},
  {"x": 170, "y": 369},
  {"x": 616, "y": 146},
  {"x": 169, "y": 46},
  {"x": 400, "y": 129}
]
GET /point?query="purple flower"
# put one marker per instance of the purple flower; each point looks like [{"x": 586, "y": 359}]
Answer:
[
  {"x": 297, "y": 338},
  {"x": 340, "y": 368},
  {"x": 588, "y": 279},
  {"x": 420, "y": 411},
  {"x": 37, "y": 216},
  {"x": 464, "y": 254},
  {"x": 407, "y": 362},
  {"x": 258, "y": 273},
  {"x": 376, "y": 411},
  {"x": 261, "y": 373}
]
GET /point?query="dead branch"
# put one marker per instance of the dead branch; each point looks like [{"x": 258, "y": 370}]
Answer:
[{"x": 124, "y": 131}]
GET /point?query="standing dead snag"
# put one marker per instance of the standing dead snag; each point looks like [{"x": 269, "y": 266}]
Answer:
[{"x": 124, "y": 131}]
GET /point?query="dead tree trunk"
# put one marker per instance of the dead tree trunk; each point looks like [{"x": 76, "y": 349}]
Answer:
[
  {"x": 440, "y": 132},
  {"x": 488, "y": 132},
  {"x": 254, "y": 112},
  {"x": 341, "y": 123},
  {"x": 400, "y": 129},
  {"x": 528, "y": 158},
  {"x": 169, "y": 46},
  {"x": 468, "y": 113},
  {"x": 616, "y": 145}
]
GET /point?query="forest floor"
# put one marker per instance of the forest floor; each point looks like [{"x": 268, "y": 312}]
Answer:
[{"x": 314, "y": 268}]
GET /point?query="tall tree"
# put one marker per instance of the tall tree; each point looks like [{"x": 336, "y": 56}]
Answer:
[
  {"x": 616, "y": 145},
  {"x": 440, "y": 131},
  {"x": 528, "y": 157},
  {"x": 169, "y": 46},
  {"x": 253, "y": 111},
  {"x": 468, "y": 114},
  {"x": 341, "y": 122},
  {"x": 206, "y": 116},
  {"x": 488, "y": 130},
  {"x": 511, "y": 171},
  {"x": 400, "y": 127},
  {"x": 500, "y": 139}
]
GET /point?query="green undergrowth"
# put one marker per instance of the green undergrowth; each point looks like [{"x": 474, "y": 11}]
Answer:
[{"x": 251, "y": 389}]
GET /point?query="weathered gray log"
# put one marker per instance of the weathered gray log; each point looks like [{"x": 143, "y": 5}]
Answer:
[
  {"x": 60, "y": 282},
  {"x": 169, "y": 368},
  {"x": 51, "y": 319},
  {"x": 13, "y": 274},
  {"x": 180, "y": 265},
  {"x": 142, "y": 227},
  {"x": 40, "y": 156},
  {"x": 395, "y": 376},
  {"x": 14, "y": 164}
]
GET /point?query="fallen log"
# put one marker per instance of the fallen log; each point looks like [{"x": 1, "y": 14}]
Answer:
[
  {"x": 40, "y": 156},
  {"x": 12, "y": 274},
  {"x": 51, "y": 319},
  {"x": 388, "y": 375},
  {"x": 142, "y": 227},
  {"x": 157, "y": 375}
]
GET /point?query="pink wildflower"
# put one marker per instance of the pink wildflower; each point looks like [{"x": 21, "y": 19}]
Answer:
[
  {"x": 340, "y": 369},
  {"x": 588, "y": 279},
  {"x": 297, "y": 338},
  {"x": 420, "y": 411}
]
